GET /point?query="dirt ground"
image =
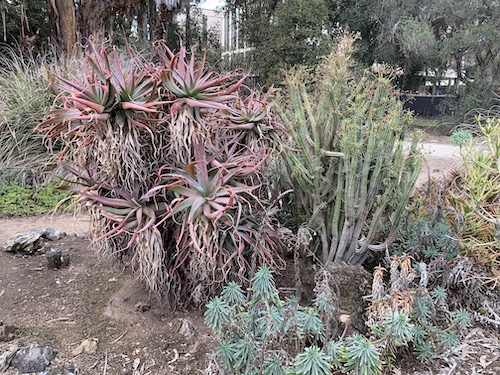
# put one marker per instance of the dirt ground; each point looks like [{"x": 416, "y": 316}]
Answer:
[{"x": 95, "y": 300}]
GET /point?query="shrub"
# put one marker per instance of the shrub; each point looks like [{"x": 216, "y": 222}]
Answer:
[
  {"x": 475, "y": 193},
  {"x": 406, "y": 314},
  {"x": 346, "y": 163},
  {"x": 25, "y": 98},
  {"x": 17, "y": 200},
  {"x": 258, "y": 332},
  {"x": 169, "y": 158}
]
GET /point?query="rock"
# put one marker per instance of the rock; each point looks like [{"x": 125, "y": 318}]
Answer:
[
  {"x": 6, "y": 358},
  {"x": 33, "y": 358},
  {"x": 30, "y": 242},
  {"x": 187, "y": 329},
  {"x": 6, "y": 332},
  {"x": 27, "y": 243},
  {"x": 56, "y": 258},
  {"x": 64, "y": 258},
  {"x": 81, "y": 235},
  {"x": 142, "y": 306},
  {"x": 61, "y": 370},
  {"x": 52, "y": 234},
  {"x": 88, "y": 346}
]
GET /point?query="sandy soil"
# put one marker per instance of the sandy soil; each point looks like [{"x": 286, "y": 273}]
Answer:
[{"x": 440, "y": 158}]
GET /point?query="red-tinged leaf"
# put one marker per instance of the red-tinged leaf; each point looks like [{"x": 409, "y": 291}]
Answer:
[
  {"x": 138, "y": 124},
  {"x": 218, "y": 206},
  {"x": 112, "y": 217},
  {"x": 72, "y": 84},
  {"x": 184, "y": 191},
  {"x": 117, "y": 230},
  {"x": 95, "y": 106},
  {"x": 175, "y": 107},
  {"x": 193, "y": 238},
  {"x": 204, "y": 104},
  {"x": 182, "y": 205},
  {"x": 117, "y": 211},
  {"x": 138, "y": 107},
  {"x": 114, "y": 202},
  {"x": 195, "y": 206},
  {"x": 214, "y": 83},
  {"x": 247, "y": 126},
  {"x": 138, "y": 215},
  {"x": 149, "y": 224},
  {"x": 118, "y": 69},
  {"x": 206, "y": 210}
]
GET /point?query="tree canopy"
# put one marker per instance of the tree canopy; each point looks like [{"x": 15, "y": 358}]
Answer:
[{"x": 424, "y": 37}]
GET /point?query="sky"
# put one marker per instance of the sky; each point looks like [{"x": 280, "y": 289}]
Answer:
[{"x": 211, "y": 4}]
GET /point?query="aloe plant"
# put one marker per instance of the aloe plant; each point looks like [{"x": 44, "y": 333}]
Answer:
[
  {"x": 193, "y": 93},
  {"x": 174, "y": 188}
]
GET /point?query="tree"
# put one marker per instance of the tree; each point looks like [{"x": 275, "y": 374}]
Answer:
[
  {"x": 166, "y": 12},
  {"x": 64, "y": 24},
  {"x": 24, "y": 23},
  {"x": 442, "y": 34},
  {"x": 283, "y": 33}
]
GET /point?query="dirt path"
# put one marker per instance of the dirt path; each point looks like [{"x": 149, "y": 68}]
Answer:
[
  {"x": 70, "y": 224},
  {"x": 440, "y": 159}
]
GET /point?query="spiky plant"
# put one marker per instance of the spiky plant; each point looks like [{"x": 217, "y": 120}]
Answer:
[
  {"x": 476, "y": 192},
  {"x": 173, "y": 188},
  {"x": 405, "y": 313},
  {"x": 346, "y": 163}
]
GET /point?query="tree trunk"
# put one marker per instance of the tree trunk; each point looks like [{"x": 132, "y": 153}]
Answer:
[
  {"x": 64, "y": 24},
  {"x": 162, "y": 22}
]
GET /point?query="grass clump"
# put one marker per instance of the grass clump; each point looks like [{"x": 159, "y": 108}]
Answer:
[{"x": 25, "y": 98}]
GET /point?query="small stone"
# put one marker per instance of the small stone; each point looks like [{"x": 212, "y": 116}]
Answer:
[
  {"x": 345, "y": 318},
  {"x": 7, "y": 332},
  {"x": 64, "y": 258},
  {"x": 81, "y": 235},
  {"x": 33, "y": 358},
  {"x": 52, "y": 234},
  {"x": 6, "y": 358},
  {"x": 142, "y": 306},
  {"x": 61, "y": 370},
  {"x": 53, "y": 258},
  {"x": 88, "y": 346}
]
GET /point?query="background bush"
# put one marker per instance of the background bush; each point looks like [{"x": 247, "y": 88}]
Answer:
[{"x": 25, "y": 98}]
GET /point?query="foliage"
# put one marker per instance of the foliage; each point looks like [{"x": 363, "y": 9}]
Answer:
[
  {"x": 475, "y": 192},
  {"x": 259, "y": 331},
  {"x": 436, "y": 35},
  {"x": 345, "y": 160},
  {"x": 175, "y": 188},
  {"x": 431, "y": 229},
  {"x": 24, "y": 23},
  {"x": 404, "y": 314},
  {"x": 282, "y": 34},
  {"x": 25, "y": 97},
  {"x": 16, "y": 200}
]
